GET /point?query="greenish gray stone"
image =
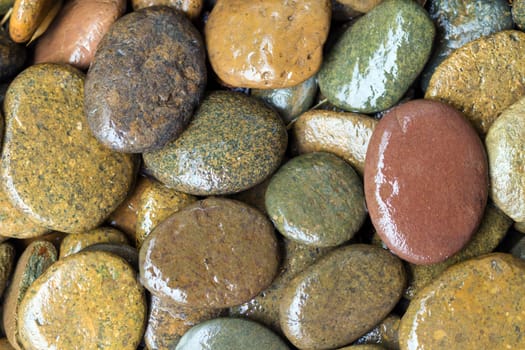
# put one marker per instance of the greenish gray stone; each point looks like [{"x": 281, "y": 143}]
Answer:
[
  {"x": 377, "y": 59},
  {"x": 518, "y": 13},
  {"x": 233, "y": 143},
  {"x": 316, "y": 199},
  {"x": 518, "y": 250},
  {"x": 230, "y": 334},
  {"x": 461, "y": 21}
]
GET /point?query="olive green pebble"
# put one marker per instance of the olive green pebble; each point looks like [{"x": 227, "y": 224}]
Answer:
[
  {"x": 7, "y": 262},
  {"x": 518, "y": 13},
  {"x": 75, "y": 242},
  {"x": 12, "y": 55},
  {"x": 53, "y": 168},
  {"x": 233, "y": 143},
  {"x": 230, "y": 334},
  {"x": 316, "y": 199},
  {"x": 376, "y": 60}
]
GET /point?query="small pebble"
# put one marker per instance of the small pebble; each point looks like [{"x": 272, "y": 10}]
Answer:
[
  {"x": 385, "y": 334},
  {"x": 126, "y": 252},
  {"x": 75, "y": 242},
  {"x": 192, "y": 8}
]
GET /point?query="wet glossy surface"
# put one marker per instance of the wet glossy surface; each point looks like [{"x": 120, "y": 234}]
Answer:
[
  {"x": 477, "y": 304},
  {"x": 347, "y": 292},
  {"x": 385, "y": 334},
  {"x": 505, "y": 143},
  {"x": 212, "y": 254},
  {"x": 228, "y": 334},
  {"x": 75, "y": 33},
  {"x": 378, "y": 57},
  {"x": 192, "y": 8},
  {"x": 147, "y": 77},
  {"x": 233, "y": 143},
  {"x": 126, "y": 252},
  {"x": 316, "y": 199},
  {"x": 267, "y": 44},
  {"x": 75, "y": 242},
  {"x": 426, "y": 181},
  {"x": 69, "y": 184},
  {"x": 26, "y": 17},
  {"x": 89, "y": 300}
]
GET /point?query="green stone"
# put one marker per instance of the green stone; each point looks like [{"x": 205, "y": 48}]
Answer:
[
  {"x": 316, "y": 199},
  {"x": 233, "y": 143},
  {"x": 377, "y": 59},
  {"x": 518, "y": 13}
]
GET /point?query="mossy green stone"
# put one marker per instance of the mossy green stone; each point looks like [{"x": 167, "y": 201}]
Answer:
[
  {"x": 377, "y": 59},
  {"x": 229, "y": 334},
  {"x": 233, "y": 143},
  {"x": 518, "y": 13},
  {"x": 316, "y": 199}
]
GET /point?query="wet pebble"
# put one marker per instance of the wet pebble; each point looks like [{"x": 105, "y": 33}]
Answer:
[
  {"x": 7, "y": 263},
  {"x": 126, "y": 252},
  {"x": 385, "y": 334},
  {"x": 192, "y": 8},
  {"x": 518, "y": 13},
  {"x": 26, "y": 17},
  {"x": 75, "y": 242}
]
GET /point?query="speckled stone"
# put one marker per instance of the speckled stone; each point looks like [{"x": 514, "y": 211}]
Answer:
[
  {"x": 12, "y": 57},
  {"x": 167, "y": 323},
  {"x": 385, "y": 334},
  {"x": 505, "y": 144},
  {"x": 316, "y": 199},
  {"x": 344, "y": 134},
  {"x": 95, "y": 292},
  {"x": 376, "y": 60},
  {"x": 228, "y": 334},
  {"x": 426, "y": 181},
  {"x": 73, "y": 243},
  {"x": 192, "y": 8},
  {"x": 348, "y": 292},
  {"x": 491, "y": 231},
  {"x": 456, "y": 81},
  {"x": 4, "y": 345},
  {"x": 233, "y": 143},
  {"x": 35, "y": 259},
  {"x": 264, "y": 308},
  {"x": 156, "y": 203},
  {"x": 215, "y": 253},
  {"x": 7, "y": 262},
  {"x": 477, "y": 304},
  {"x": 161, "y": 53},
  {"x": 53, "y": 237},
  {"x": 289, "y": 102},
  {"x": 26, "y": 17},
  {"x": 461, "y": 21},
  {"x": 72, "y": 183},
  {"x": 267, "y": 44},
  {"x": 518, "y": 13}
]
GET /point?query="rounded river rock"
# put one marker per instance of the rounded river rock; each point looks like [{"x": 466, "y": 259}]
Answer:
[
  {"x": 147, "y": 77},
  {"x": 233, "y": 143},
  {"x": 426, "y": 181},
  {"x": 214, "y": 253}
]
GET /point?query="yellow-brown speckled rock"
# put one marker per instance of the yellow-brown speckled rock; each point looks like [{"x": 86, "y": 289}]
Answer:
[
  {"x": 482, "y": 78},
  {"x": 267, "y": 44},
  {"x": 26, "y": 17},
  {"x": 73, "y": 243},
  {"x": 53, "y": 169}
]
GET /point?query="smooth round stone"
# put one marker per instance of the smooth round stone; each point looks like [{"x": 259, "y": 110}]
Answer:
[
  {"x": 491, "y": 231},
  {"x": 122, "y": 250},
  {"x": 230, "y": 334},
  {"x": 204, "y": 255},
  {"x": 147, "y": 77},
  {"x": 35, "y": 259},
  {"x": 316, "y": 199},
  {"x": 26, "y": 17},
  {"x": 518, "y": 13},
  {"x": 289, "y": 102},
  {"x": 52, "y": 168},
  {"x": 347, "y": 292},
  {"x": 426, "y": 181},
  {"x": 370, "y": 70},
  {"x": 456, "y": 81},
  {"x": 12, "y": 57},
  {"x": 267, "y": 44},
  {"x": 461, "y": 21},
  {"x": 7, "y": 263},
  {"x": 75, "y": 33},
  {"x": 344, "y": 134},
  {"x": 385, "y": 334},
  {"x": 477, "y": 304},
  {"x": 156, "y": 203},
  {"x": 192, "y": 8},
  {"x": 233, "y": 143},
  {"x": 167, "y": 323},
  {"x": 75, "y": 242},
  {"x": 505, "y": 143},
  {"x": 95, "y": 292}
]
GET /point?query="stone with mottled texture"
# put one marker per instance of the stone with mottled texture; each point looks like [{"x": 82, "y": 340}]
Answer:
[
  {"x": 75, "y": 242},
  {"x": 192, "y": 8}
]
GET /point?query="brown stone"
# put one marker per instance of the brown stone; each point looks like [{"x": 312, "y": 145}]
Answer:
[
  {"x": 192, "y": 8},
  {"x": 26, "y": 17},
  {"x": 4, "y": 345},
  {"x": 426, "y": 181},
  {"x": 267, "y": 44},
  {"x": 75, "y": 242}
]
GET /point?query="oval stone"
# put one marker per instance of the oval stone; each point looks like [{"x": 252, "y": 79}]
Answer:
[
  {"x": 228, "y": 334},
  {"x": 75, "y": 242},
  {"x": 95, "y": 292},
  {"x": 316, "y": 199},
  {"x": 370, "y": 70},
  {"x": 192, "y": 8},
  {"x": 477, "y": 304},
  {"x": 505, "y": 143},
  {"x": 347, "y": 292},
  {"x": 53, "y": 169},
  {"x": 26, "y": 17},
  {"x": 456, "y": 81},
  {"x": 233, "y": 143},
  {"x": 426, "y": 182},
  {"x": 147, "y": 77},
  {"x": 205, "y": 256}
]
